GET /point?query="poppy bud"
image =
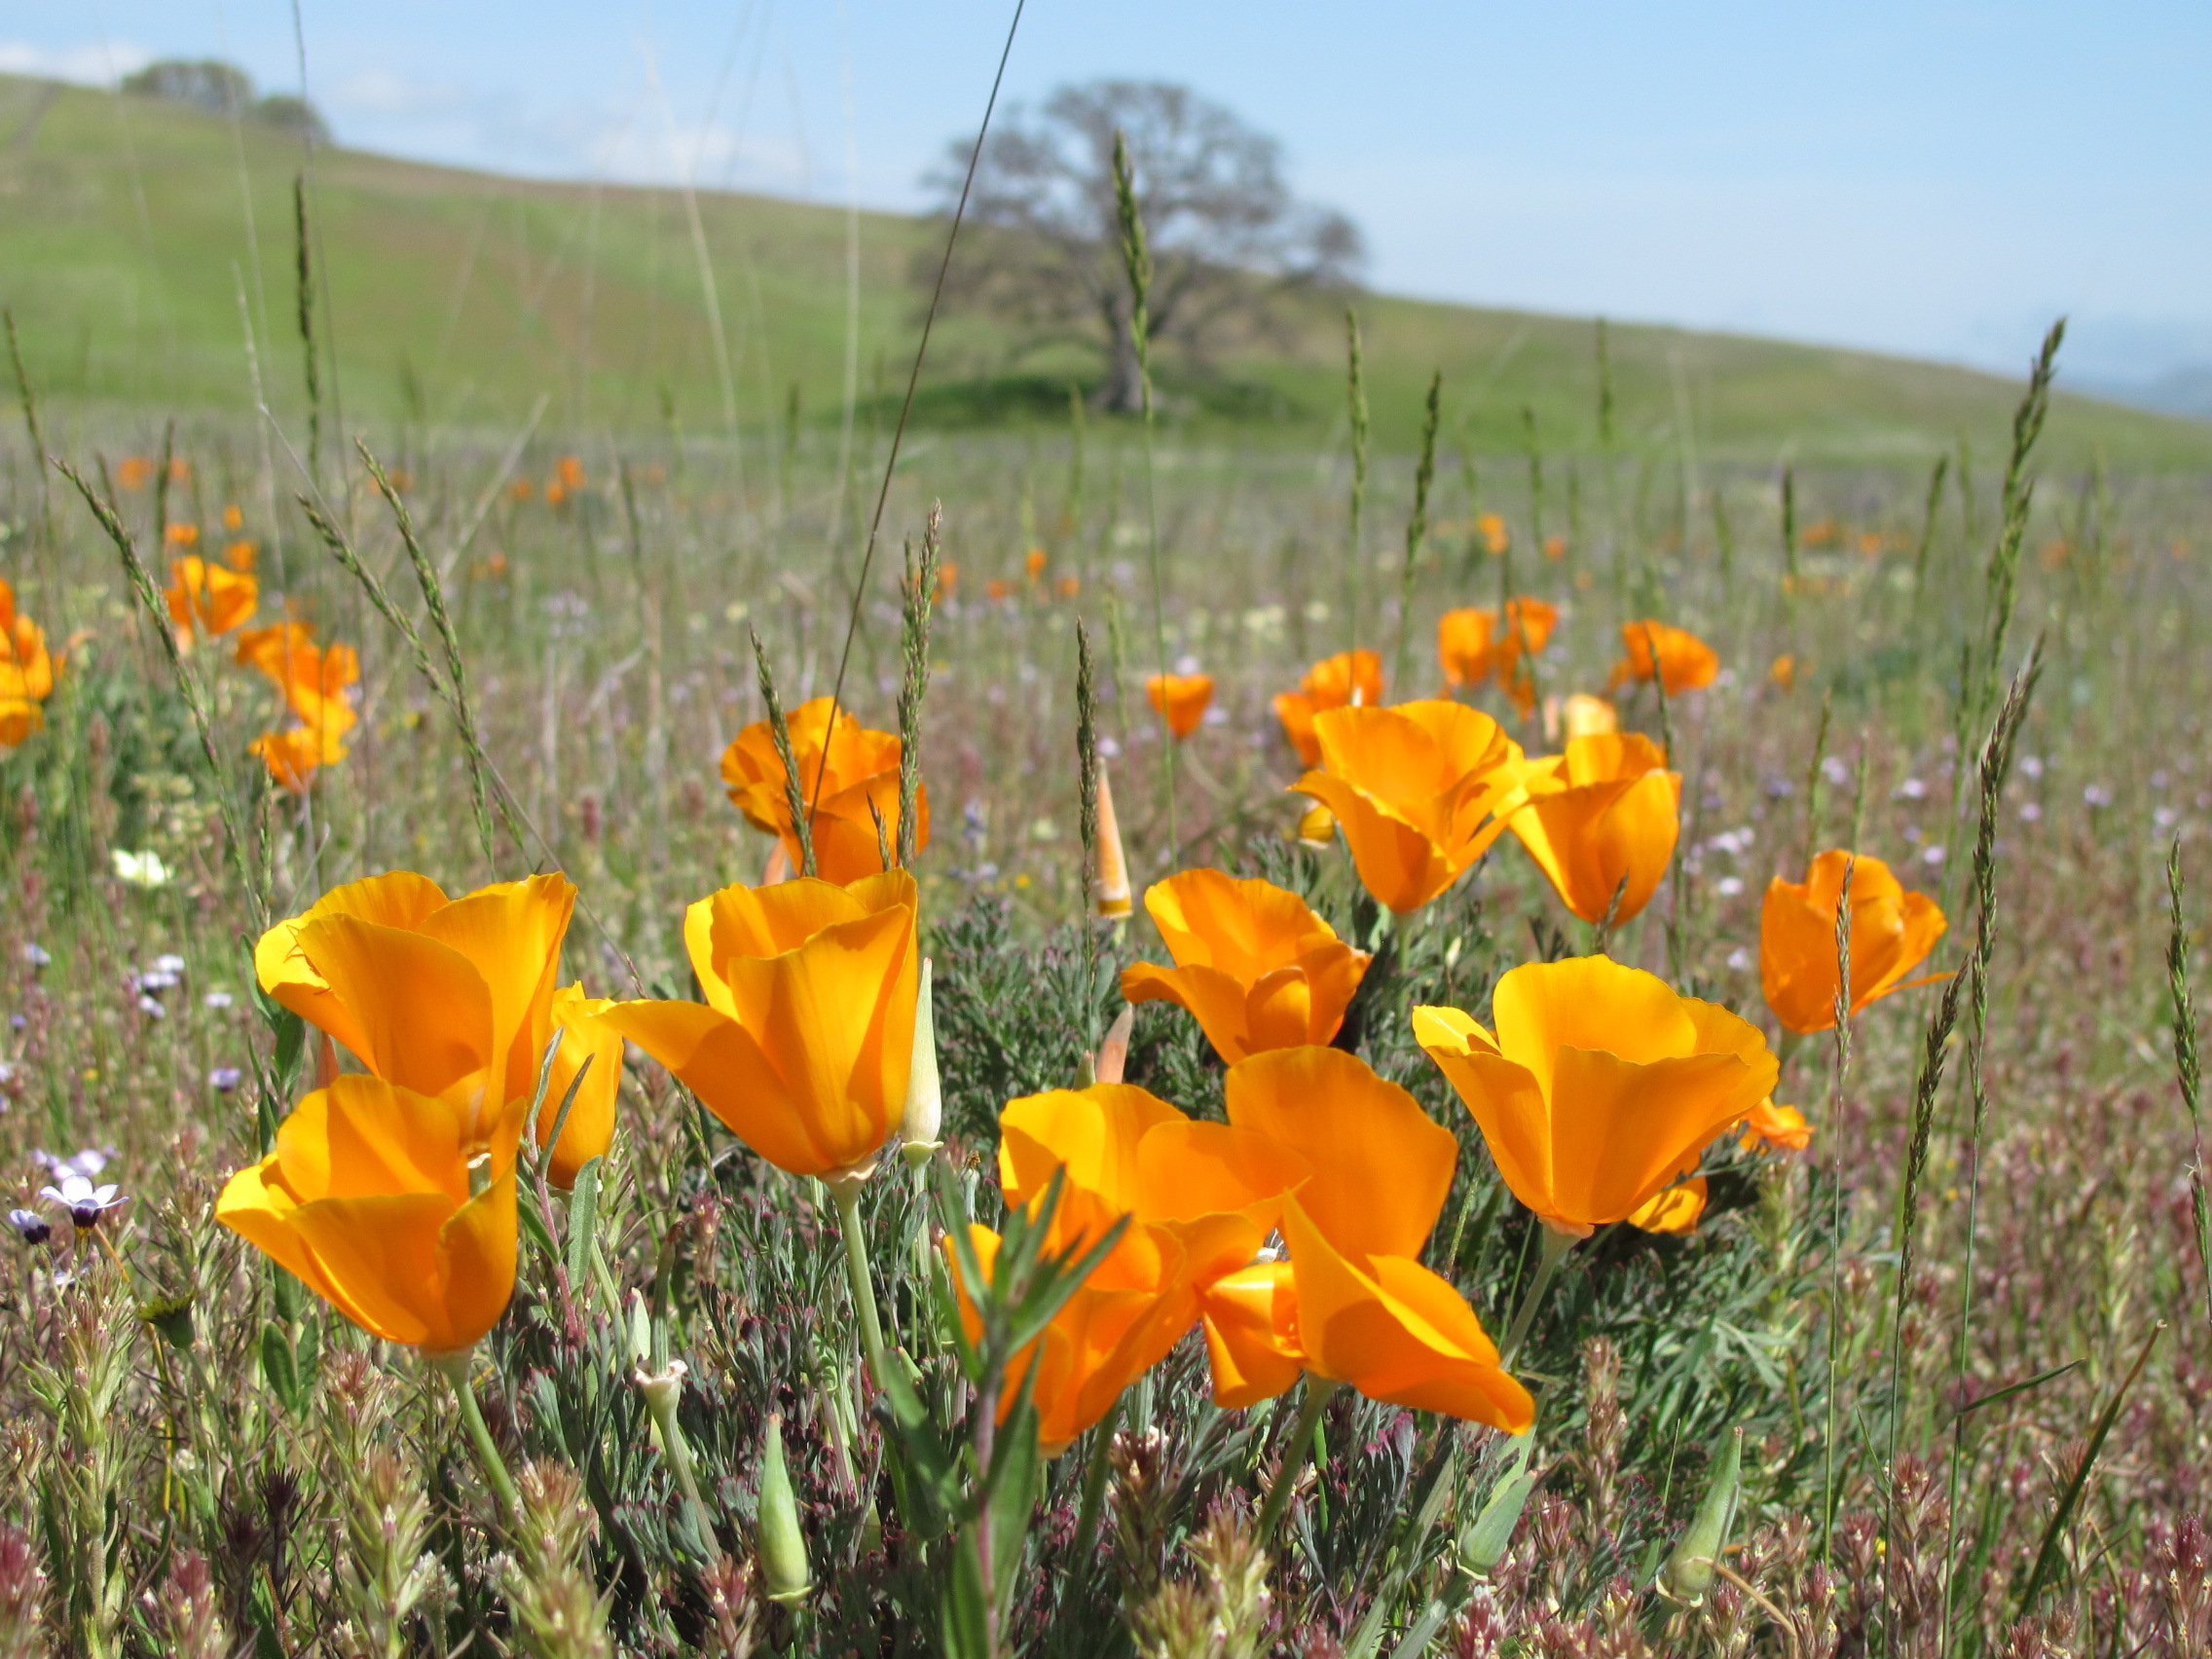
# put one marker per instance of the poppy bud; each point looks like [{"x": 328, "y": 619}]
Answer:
[
  {"x": 783, "y": 1545},
  {"x": 1110, "y": 883},
  {"x": 1690, "y": 1571},
  {"x": 925, "y": 1094}
]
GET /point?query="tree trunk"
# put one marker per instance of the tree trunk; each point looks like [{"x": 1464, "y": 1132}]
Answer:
[{"x": 1124, "y": 390}]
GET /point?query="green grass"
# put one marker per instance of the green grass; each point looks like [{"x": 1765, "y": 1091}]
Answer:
[{"x": 460, "y": 298}]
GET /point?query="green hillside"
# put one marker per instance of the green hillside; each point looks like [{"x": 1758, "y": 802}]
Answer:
[{"x": 135, "y": 230}]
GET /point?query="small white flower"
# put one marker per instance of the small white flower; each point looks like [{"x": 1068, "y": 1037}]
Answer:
[
  {"x": 1728, "y": 886},
  {"x": 2030, "y": 812},
  {"x": 168, "y": 962},
  {"x": 160, "y": 979},
  {"x": 152, "y": 1009},
  {"x": 1931, "y": 853},
  {"x": 1834, "y": 770},
  {"x": 217, "y": 999},
  {"x": 2031, "y": 765},
  {"x": 1740, "y": 960},
  {"x": 1912, "y": 788},
  {"x": 2097, "y": 794},
  {"x": 143, "y": 871}
]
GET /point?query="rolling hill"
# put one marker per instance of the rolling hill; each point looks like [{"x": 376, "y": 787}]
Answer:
[{"x": 141, "y": 236}]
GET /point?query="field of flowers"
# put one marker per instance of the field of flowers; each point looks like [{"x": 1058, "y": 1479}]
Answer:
[{"x": 1188, "y": 1053}]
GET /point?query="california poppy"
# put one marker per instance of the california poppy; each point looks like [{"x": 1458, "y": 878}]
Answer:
[
  {"x": 1673, "y": 1209},
  {"x": 447, "y": 997},
  {"x": 1601, "y": 817},
  {"x": 570, "y": 472},
  {"x": 1414, "y": 789},
  {"x": 849, "y": 777},
  {"x": 234, "y": 518},
  {"x": 1776, "y": 1129},
  {"x": 367, "y": 1201},
  {"x": 590, "y": 1127},
  {"x": 1257, "y": 968},
  {"x": 1490, "y": 530},
  {"x": 133, "y": 471},
  {"x": 806, "y": 1041},
  {"x": 1352, "y": 1303},
  {"x": 1034, "y": 563},
  {"x": 1473, "y": 645},
  {"x": 314, "y": 680},
  {"x": 1201, "y": 1198},
  {"x": 294, "y": 754},
  {"x": 28, "y": 672},
  {"x": 1685, "y": 661},
  {"x": 208, "y": 598},
  {"x": 1579, "y": 715},
  {"x": 1891, "y": 932},
  {"x": 1180, "y": 699},
  {"x": 1600, "y": 1086},
  {"x": 1347, "y": 678}
]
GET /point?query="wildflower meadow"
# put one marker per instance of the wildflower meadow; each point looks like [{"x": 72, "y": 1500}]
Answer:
[{"x": 1087, "y": 1039}]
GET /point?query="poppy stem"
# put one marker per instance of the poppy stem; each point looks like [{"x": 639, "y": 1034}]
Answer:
[
  {"x": 1556, "y": 1245},
  {"x": 454, "y": 1368},
  {"x": 1320, "y": 1391},
  {"x": 847, "y": 1193}
]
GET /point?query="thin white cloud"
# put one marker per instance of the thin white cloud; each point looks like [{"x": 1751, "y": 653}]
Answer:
[{"x": 100, "y": 64}]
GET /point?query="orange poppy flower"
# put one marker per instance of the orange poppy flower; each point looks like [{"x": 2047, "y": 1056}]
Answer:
[
  {"x": 948, "y": 579},
  {"x": 239, "y": 556},
  {"x": 1675, "y": 1209},
  {"x": 27, "y": 669},
  {"x": 1201, "y": 1198},
  {"x": 1253, "y": 964},
  {"x": 1352, "y": 1303},
  {"x": 571, "y": 471},
  {"x": 447, "y": 997},
  {"x": 998, "y": 589},
  {"x": 1489, "y": 528},
  {"x": 1180, "y": 699},
  {"x": 366, "y": 1199},
  {"x": 1034, "y": 563},
  {"x": 805, "y": 1040},
  {"x": 1600, "y": 1087},
  {"x": 208, "y": 598},
  {"x": 1350, "y": 678},
  {"x": 1776, "y": 1129},
  {"x": 232, "y": 517},
  {"x": 313, "y": 678},
  {"x": 1555, "y": 546},
  {"x": 519, "y": 489},
  {"x": 1685, "y": 661},
  {"x": 1605, "y": 813},
  {"x": 1069, "y": 586},
  {"x": 1472, "y": 645},
  {"x": 295, "y": 754},
  {"x": 1784, "y": 671},
  {"x": 1892, "y": 931},
  {"x": 1414, "y": 789},
  {"x": 180, "y": 470},
  {"x": 134, "y": 472},
  {"x": 1579, "y": 715},
  {"x": 590, "y": 1127},
  {"x": 848, "y": 776},
  {"x": 181, "y": 536}
]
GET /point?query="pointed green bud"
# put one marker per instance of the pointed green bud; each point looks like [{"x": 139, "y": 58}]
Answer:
[
  {"x": 783, "y": 1544},
  {"x": 1690, "y": 1571},
  {"x": 925, "y": 1094}
]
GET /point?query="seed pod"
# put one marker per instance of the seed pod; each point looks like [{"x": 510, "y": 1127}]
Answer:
[{"x": 925, "y": 1094}]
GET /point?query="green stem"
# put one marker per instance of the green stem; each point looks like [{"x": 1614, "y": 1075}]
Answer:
[
  {"x": 1093, "y": 1507},
  {"x": 1556, "y": 1245},
  {"x": 1319, "y": 1391},
  {"x": 454, "y": 1368},
  {"x": 847, "y": 1193}
]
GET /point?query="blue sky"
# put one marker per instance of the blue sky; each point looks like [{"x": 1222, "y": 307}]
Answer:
[{"x": 1936, "y": 179}]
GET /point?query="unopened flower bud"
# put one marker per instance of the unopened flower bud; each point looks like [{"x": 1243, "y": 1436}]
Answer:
[
  {"x": 1690, "y": 1571},
  {"x": 783, "y": 1545},
  {"x": 925, "y": 1094},
  {"x": 1110, "y": 880}
]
